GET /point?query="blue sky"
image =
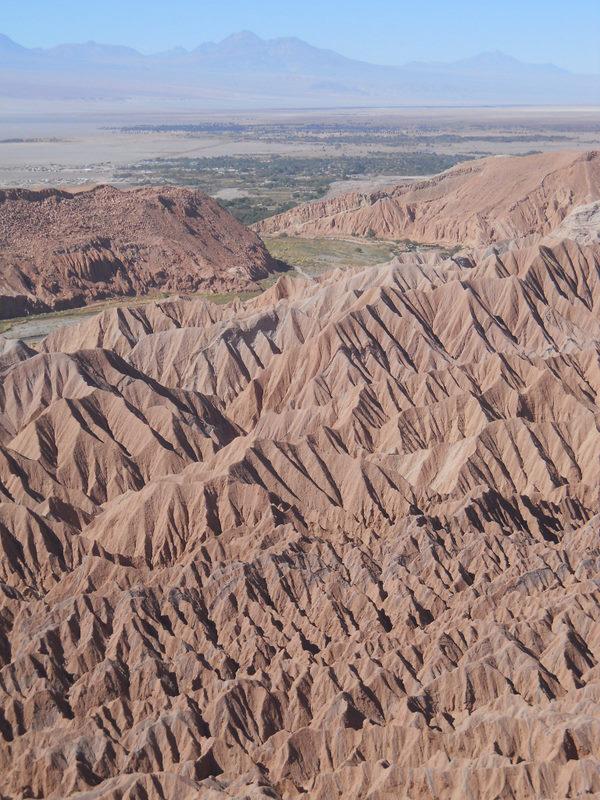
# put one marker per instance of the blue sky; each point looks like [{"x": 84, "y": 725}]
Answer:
[{"x": 566, "y": 33}]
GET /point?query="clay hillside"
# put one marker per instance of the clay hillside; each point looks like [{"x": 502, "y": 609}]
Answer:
[
  {"x": 61, "y": 249},
  {"x": 475, "y": 203},
  {"x": 340, "y": 541}
]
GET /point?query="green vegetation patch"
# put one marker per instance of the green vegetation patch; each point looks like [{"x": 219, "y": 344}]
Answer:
[
  {"x": 315, "y": 256},
  {"x": 270, "y": 184}
]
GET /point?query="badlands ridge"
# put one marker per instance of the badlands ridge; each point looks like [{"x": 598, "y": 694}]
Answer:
[
  {"x": 61, "y": 249},
  {"x": 475, "y": 203},
  {"x": 339, "y": 541}
]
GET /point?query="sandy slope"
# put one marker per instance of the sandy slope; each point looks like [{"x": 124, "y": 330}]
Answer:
[
  {"x": 340, "y": 541},
  {"x": 474, "y": 203}
]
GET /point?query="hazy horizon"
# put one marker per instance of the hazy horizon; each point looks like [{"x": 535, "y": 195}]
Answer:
[
  {"x": 383, "y": 33},
  {"x": 244, "y": 70},
  {"x": 249, "y": 34}
]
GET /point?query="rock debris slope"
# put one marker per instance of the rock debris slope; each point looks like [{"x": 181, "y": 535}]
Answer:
[
  {"x": 475, "y": 203},
  {"x": 59, "y": 249},
  {"x": 340, "y": 541}
]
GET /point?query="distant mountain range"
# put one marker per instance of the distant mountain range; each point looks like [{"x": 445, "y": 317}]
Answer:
[{"x": 244, "y": 70}]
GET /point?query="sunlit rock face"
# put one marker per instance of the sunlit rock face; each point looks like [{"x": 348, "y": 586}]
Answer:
[
  {"x": 62, "y": 249},
  {"x": 340, "y": 541}
]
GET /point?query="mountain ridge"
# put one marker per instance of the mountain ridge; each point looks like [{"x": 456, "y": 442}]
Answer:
[
  {"x": 475, "y": 203},
  {"x": 245, "y": 37},
  {"x": 246, "y": 63}
]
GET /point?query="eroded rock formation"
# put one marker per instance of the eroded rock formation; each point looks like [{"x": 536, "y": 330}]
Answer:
[
  {"x": 475, "y": 203},
  {"x": 59, "y": 249},
  {"x": 340, "y": 541}
]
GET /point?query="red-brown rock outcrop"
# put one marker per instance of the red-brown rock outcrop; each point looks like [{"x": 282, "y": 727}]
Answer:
[
  {"x": 475, "y": 203},
  {"x": 61, "y": 249},
  {"x": 340, "y": 541}
]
